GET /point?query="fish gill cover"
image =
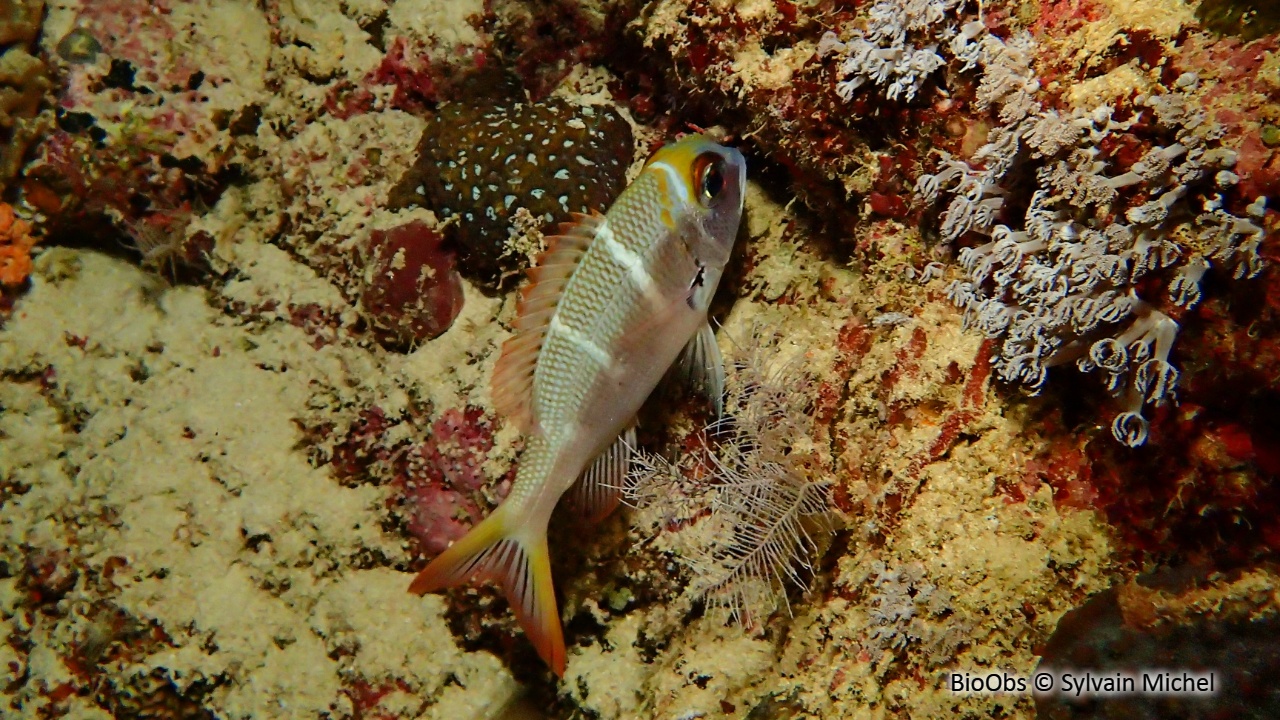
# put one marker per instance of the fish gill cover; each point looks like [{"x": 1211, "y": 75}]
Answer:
[{"x": 244, "y": 360}]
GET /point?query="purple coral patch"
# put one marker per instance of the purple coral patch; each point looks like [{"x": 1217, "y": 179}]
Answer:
[
  {"x": 445, "y": 477},
  {"x": 413, "y": 292}
]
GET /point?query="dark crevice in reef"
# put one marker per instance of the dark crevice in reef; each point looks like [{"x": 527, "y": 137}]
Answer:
[
  {"x": 1101, "y": 637},
  {"x": 1247, "y": 19}
]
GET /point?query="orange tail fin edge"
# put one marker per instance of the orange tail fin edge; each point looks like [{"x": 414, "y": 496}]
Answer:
[{"x": 520, "y": 565}]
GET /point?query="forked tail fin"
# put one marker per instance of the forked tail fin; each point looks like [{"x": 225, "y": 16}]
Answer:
[{"x": 518, "y": 562}]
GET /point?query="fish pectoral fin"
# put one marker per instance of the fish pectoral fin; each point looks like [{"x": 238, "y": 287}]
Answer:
[
  {"x": 701, "y": 366},
  {"x": 520, "y": 564},
  {"x": 598, "y": 490}
]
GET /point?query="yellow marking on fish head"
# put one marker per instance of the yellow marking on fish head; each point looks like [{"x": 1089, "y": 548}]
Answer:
[{"x": 702, "y": 185}]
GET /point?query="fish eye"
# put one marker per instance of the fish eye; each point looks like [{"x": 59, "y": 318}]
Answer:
[{"x": 709, "y": 177}]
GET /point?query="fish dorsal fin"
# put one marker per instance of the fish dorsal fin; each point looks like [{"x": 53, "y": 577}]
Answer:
[
  {"x": 513, "y": 375},
  {"x": 598, "y": 490}
]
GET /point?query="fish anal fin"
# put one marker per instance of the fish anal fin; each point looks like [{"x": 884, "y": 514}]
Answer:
[
  {"x": 701, "y": 366},
  {"x": 512, "y": 384},
  {"x": 598, "y": 490},
  {"x": 520, "y": 564}
]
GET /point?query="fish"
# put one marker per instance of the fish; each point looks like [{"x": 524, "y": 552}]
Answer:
[{"x": 615, "y": 302}]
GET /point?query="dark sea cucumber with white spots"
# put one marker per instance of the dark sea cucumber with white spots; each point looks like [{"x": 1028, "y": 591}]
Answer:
[{"x": 481, "y": 163}]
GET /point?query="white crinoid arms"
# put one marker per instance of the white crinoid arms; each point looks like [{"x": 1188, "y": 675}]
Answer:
[{"x": 768, "y": 495}]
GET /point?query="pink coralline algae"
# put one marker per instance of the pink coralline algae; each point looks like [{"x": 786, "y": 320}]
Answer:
[
  {"x": 434, "y": 468},
  {"x": 417, "y": 83},
  {"x": 156, "y": 99},
  {"x": 412, "y": 292},
  {"x": 135, "y": 131},
  {"x": 444, "y": 478}
]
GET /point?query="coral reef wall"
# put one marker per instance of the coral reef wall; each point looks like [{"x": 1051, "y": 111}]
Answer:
[
  {"x": 24, "y": 81},
  {"x": 1015, "y": 260}
]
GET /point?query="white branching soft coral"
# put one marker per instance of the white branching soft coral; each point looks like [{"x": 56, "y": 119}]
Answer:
[
  {"x": 904, "y": 608},
  {"x": 885, "y": 55},
  {"x": 763, "y": 484},
  {"x": 900, "y": 49},
  {"x": 1059, "y": 283}
]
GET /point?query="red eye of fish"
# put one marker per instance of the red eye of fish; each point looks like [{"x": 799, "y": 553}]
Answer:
[{"x": 708, "y": 176}]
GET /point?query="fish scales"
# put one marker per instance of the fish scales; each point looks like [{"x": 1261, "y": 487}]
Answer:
[
  {"x": 609, "y": 293},
  {"x": 610, "y": 307},
  {"x": 604, "y": 293}
]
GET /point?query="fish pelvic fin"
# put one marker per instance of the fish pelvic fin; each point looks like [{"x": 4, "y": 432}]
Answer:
[
  {"x": 599, "y": 489},
  {"x": 518, "y": 561},
  {"x": 701, "y": 366}
]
